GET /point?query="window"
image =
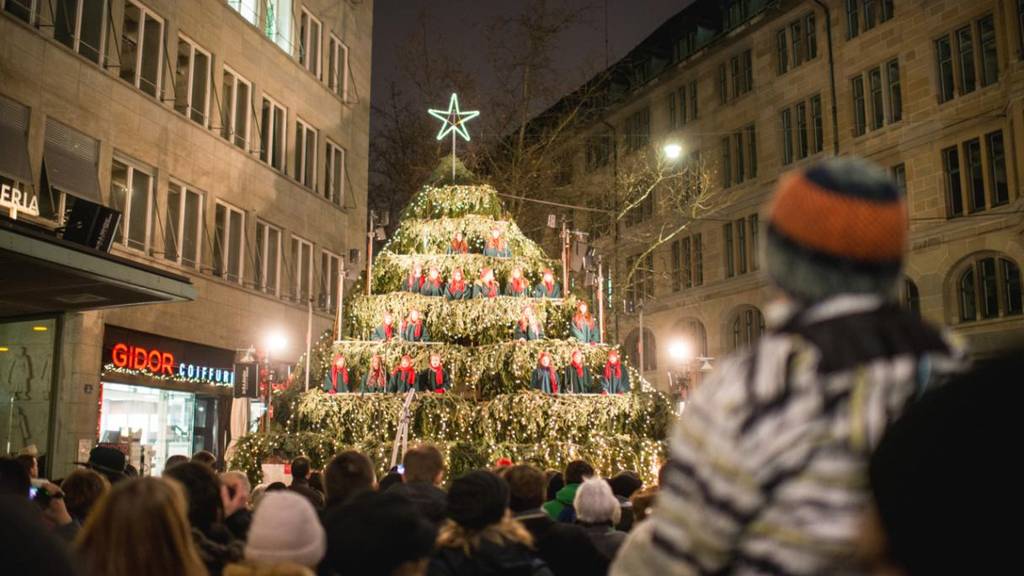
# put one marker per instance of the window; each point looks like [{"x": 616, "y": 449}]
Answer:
[
  {"x": 895, "y": 94},
  {"x": 723, "y": 91},
  {"x": 977, "y": 58},
  {"x": 142, "y": 41},
  {"x": 811, "y": 33},
  {"x": 310, "y": 41},
  {"x": 192, "y": 81},
  {"x": 817, "y": 128},
  {"x": 184, "y": 227},
  {"x": 747, "y": 327},
  {"x": 330, "y": 265},
  {"x": 268, "y": 257},
  {"x": 683, "y": 107},
  {"x": 272, "y": 134},
  {"x": 741, "y": 244},
  {"x": 672, "y": 120},
  {"x": 693, "y": 177},
  {"x": 235, "y": 113},
  {"x": 989, "y": 287},
  {"x": 638, "y": 130},
  {"x": 15, "y": 169},
  {"x": 739, "y": 156},
  {"x": 910, "y": 298},
  {"x": 692, "y": 330},
  {"x": 742, "y": 75},
  {"x": 899, "y": 176},
  {"x": 693, "y": 99},
  {"x": 873, "y": 109},
  {"x": 78, "y": 24},
  {"x": 249, "y": 9},
  {"x": 984, "y": 170},
  {"x": 796, "y": 36},
  {"x": 989, "y": 55},
  {"x": 642, "y": 285},
  {"x": 650, "y": 350},
  {"x": 802, "y": 147},
  {"x": 687, "y": 261},
  {"x": 598, "y": 151},
  {"x": 781, "y": 52},
  {"x": 859, "y": 107},
  {"x": 301, "y": 269},
  {"x": 278, "y": 23},
  {"x": 25, "y": 10},
  {"x": 874, "y": 12},
  {"x": 334, "y": 174},
  {"x": 337, "y": 67},
  {"x": 70, "y": 168},
  {"x": 131, "y": 192},
  {"x": 786, "y": 118},
  {"x": 751, "y": 150},
  {"x": 305, "y": 154},
  {"x": 726, "y": 163},
  {"x": 730, "y": 256},
  {"x": 229, "y": 230},
  {"x": 737, "y": 140},
  {"x": 954, "y": 197}
]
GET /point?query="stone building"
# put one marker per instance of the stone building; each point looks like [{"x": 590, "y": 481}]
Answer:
[
  {"x": 751, "y": 89},
  {"x": 233, "y": 138}
]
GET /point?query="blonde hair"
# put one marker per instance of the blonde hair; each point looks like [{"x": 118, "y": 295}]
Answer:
[
  {"x": 140, "y": 527},
  {"x": 453, "y": 535}
]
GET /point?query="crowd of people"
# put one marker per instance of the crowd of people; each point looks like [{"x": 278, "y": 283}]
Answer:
[
  {"x": 432, "y": 283},
  {"x": 853, "y": 438}
]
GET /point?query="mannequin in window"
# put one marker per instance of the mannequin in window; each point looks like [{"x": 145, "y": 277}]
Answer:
[
  {"x": 435, "y": 377},
  {"x": 487, "y": 287},
  {"x": 386, "y": 331},
  {"x": 414, "y": 329},
  {"x": 376, "y": 378},
  {"x": 434, "y": 284},
  {"x": 416, "y": 279},
  {"x": 458, "y": 244},
  {"x": 544, "y": 377},
  {"x": 517, "y": 285},
  {"x": 496, "y": 246},
  {"x": 403, "y": 378},
  {"x": 337, "y": 378},
  {"x": 615, "y": 379},
  {"x": 528, "y": 327},
  {"x": 456, "y": 288},
  {"x": 584, "y": 329},
  {"x": 547, "y": 288},
  {"x": 577, "y": 378}
]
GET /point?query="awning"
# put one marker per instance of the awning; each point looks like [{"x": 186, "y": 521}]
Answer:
[
  {"x": 70, "y": 159},
  {"x": 14, "y": 141},
  {"x": 41, "y": 274}
]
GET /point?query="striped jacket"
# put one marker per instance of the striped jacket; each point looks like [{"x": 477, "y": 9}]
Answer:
[{"x": 767, "y": 466}]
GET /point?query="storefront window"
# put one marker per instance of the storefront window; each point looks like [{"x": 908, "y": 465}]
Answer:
[
  {"x": 26, "y": 368},
  {"x": 159, "y": 422}
]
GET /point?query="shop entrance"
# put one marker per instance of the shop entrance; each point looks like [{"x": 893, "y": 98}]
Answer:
[{"x": 161, "y": 423}]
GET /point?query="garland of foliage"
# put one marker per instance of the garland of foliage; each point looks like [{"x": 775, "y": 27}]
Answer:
[
  {"x": 454, "y": 201},
  {"x": 434, "y": 236},
  {"x": 621, "y": 432},
  {"x": 391, "y": 269},
  {"x": 478, "y": 321}
]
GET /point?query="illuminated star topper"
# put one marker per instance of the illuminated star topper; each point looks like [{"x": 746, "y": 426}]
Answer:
[{"x": 453, "y": 119}]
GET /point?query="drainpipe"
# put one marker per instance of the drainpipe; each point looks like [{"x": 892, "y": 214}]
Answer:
[{"x": 831, "y": 77}]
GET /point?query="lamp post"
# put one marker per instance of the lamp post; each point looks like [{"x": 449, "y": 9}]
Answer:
[{"x": 274, "y": 343}]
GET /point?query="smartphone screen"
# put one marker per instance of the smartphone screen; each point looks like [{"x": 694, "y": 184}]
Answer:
[
  {"x": 33, "y": 491},
  {"x": 401, "y": 469}
]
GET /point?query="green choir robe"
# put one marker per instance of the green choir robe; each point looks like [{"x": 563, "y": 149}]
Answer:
[
  {"x": 402, "y": 380},
  {"x": 465, "y": 292},
  {"x": 375, "y": 382},
  {"x": 529, "y": 332},
  {"x": 409, "y": 332},
  {"x": 380, "y": 333},
  {"x": 572, "y": 383},
  {"x": 544, "y": 291},
  {"x": 482, "y": 291},
  {"x": 545, "y": 380},
  {"x": 522, "y": 289},
  {"x": 431, "y": 289},
  {"x": 613, "y": 383},
  {"x": 426, "y": 380},
  {"x": 585, "y": 333}
]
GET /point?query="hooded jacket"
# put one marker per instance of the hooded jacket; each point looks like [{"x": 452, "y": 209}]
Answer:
[{"x": 561, "y": 508}]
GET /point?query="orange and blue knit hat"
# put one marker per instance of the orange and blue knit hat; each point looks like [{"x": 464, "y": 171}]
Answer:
[{"x": 839, "y": 226}]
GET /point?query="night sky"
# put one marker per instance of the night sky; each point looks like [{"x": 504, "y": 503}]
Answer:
[{"x": 460, "y": 30}]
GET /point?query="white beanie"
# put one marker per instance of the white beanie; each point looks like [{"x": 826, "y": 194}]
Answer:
[{"x": 285, "y": 528}]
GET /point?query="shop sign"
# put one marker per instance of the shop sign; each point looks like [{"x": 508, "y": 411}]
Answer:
[
  {"x": 246, "y": 380},
  {"x": 16, "y": 201},
  {"x": 167, "y": 358}
]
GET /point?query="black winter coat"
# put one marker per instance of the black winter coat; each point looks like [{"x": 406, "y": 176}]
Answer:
[{"x": 489, "y": 559}]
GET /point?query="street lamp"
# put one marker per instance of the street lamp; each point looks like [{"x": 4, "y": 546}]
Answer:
[
  {"x": 672, "y": 150},
  {"x": 275, "y": 342}
]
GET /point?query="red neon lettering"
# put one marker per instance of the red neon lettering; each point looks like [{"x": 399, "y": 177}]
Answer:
[{"x": 138, "y": 358}]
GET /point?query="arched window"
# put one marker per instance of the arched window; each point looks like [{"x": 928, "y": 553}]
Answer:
[
  {"x": 910, "y": 299},
  {"x": 747, "y": 326},
  {"x": 989, "y": 287},
  {"x": 693, "y": 333},
  {"x": 632, "y": 350}
]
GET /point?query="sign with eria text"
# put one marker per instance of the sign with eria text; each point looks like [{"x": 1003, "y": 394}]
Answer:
[
  {"x": 17, "y": 200},
  {"x": 167, "y": 358}
]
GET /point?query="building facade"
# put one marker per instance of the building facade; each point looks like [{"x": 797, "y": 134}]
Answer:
[
  {"x": 750, "y": 90},
  {"x": 233, "y": 138}
]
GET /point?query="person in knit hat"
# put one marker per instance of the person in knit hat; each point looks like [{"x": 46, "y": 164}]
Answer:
[
  {"x": 482, "y": 537},
  {"x": 285, "y": 529},
  {"x": 770, "y": 460}
]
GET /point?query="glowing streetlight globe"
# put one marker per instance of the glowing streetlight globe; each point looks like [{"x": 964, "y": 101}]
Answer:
[
  {"x": 672, "y": 151},
  {"x": 680, "y": 350}
]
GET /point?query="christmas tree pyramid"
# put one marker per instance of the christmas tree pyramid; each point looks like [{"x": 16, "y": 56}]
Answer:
[{"x": 489, "y": 410}]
